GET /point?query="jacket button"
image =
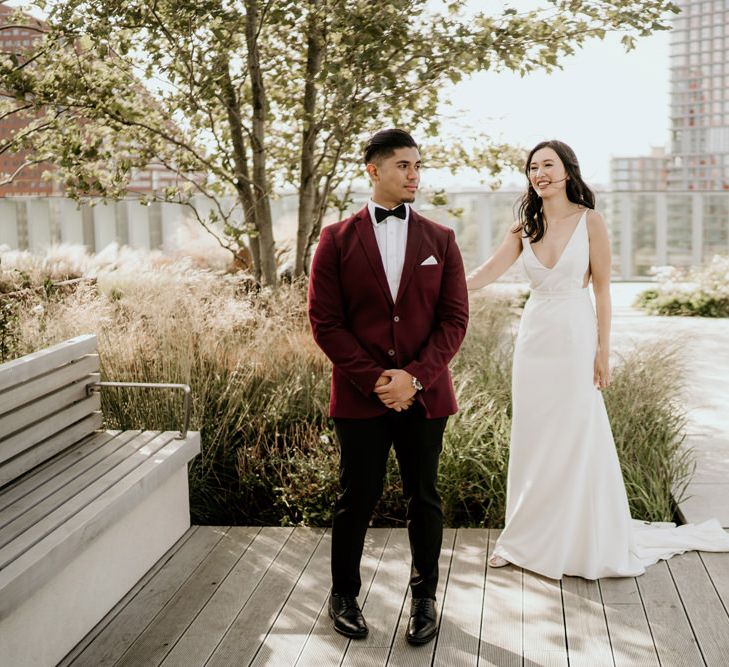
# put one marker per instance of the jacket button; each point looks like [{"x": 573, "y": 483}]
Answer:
[
  {"x": 391, "y": 353},
  {"x": 396, "y": 318}
]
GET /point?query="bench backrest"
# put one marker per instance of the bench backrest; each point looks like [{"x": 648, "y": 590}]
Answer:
[{"x": 44, "y": 406}]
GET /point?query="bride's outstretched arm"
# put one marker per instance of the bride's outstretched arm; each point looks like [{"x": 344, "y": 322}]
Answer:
[
  {"x": 506, "y": 254},
  {"x": 600, "y": 267}
]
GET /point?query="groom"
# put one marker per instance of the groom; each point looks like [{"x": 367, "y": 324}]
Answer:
[{"x": 388, "y": 306}]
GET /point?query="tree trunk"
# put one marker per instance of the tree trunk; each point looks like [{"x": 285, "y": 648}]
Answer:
[
  {"x": 256, "y": 254},
  {"x": 315, "y": 230},
  {"x": 240, "y": 158},
  {"x": 261, "y": 201},
  {"x": 308, "y": 181},
  {"x": 322, "y": 203}
]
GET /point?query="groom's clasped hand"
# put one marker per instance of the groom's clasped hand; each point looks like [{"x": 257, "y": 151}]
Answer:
[{"x": 395, "y": 389}]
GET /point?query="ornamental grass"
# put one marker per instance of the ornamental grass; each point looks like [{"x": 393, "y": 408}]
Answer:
[{"x": 260, "y": 389}]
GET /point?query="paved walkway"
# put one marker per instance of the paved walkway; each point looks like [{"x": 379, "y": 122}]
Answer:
[{"x": 248, "y": 596}]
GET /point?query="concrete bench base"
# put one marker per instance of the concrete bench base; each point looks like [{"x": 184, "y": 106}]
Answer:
[
  {"x": 58, "y": 615},
  {"x": 84, "y": 512}
]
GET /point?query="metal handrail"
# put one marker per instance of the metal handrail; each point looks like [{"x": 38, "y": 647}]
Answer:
[{"x": 186, "y": 401}]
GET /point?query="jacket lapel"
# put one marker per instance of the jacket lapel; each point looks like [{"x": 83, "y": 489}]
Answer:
[
  {"x": 412, "y": 251},
  {"x": 366, "y": 234}
]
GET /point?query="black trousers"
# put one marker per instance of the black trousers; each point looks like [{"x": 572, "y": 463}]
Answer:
[{"x": 365, "y": 445}]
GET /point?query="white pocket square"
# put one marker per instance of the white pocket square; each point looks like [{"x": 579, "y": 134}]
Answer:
[{"x": 429, "y": 261}]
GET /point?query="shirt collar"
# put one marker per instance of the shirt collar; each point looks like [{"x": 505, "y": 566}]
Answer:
[{"x": 371, "y": 208}]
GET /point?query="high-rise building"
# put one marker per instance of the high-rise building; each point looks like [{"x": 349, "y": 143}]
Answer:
[
  {"x": 699, "y": 103},
  {"x": 644, "y": 172},
  {"x": 698, "y": 157}
]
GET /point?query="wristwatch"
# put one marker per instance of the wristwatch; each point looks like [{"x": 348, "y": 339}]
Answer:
[{"x": 416, "y": 384}]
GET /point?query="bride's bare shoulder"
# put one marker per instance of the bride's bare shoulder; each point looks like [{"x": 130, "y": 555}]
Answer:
[{"x": 595, "y": 221}]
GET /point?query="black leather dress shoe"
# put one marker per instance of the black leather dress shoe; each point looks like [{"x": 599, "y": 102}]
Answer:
[
  {"x": 347, "y": 616},
  {"x": 423, "y": 623}
]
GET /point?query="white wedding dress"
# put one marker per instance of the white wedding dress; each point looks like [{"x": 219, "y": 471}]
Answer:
[{"x": 566, "y": 508}]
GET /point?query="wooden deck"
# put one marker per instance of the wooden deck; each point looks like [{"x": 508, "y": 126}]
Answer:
[{"x": 250, "y": 596}]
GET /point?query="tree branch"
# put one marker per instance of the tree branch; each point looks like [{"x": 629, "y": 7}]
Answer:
[
  {"x": 16, "y": 173},
  {"x": 14, "y": 111}
]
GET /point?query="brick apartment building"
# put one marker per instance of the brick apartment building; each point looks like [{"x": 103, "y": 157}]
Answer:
[{"x": 29, "y": 181}]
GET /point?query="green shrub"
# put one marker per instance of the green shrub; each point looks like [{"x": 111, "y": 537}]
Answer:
[
  {"x": 702, "y": 292},
  {"x": 645, "y": 298},
  {"x": 261, "y": 387},
  {"x": 9, "y": 331}
]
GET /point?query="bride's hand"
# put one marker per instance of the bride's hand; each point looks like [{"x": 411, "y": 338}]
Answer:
[{"x": 601, "y": 373}]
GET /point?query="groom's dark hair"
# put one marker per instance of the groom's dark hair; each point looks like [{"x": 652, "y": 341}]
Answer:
[{"x": 383, "y": 144}]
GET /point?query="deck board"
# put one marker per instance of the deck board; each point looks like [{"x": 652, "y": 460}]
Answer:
[
  {"x": 384, "y": 604},
  {"x": 459, "y": 635},
  {"x": 258, "y": 596},
  {"x": 324, "y": 646},
  {"x": 402, "y": 654},
  {"x": 208, "y": 628},
  {"x": 588, "y": 642},
  {"x": 248, "y": 631},
  {"x": 674, "y": 639},
  {"x": 502, "y": 615},
  {"x": 136, "y": 611},
  {"x": 630, "y": 636},
  {"x": 543, "y": 624},
  {"x": 154, "y": 643},
  {"x": 286, "y": 637},
  {"x": 707, "y": 616},
  {"x": 717, "y": 568}
]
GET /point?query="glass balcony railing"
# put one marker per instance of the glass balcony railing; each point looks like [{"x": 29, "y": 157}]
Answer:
[{"x": 647, "y": 228}]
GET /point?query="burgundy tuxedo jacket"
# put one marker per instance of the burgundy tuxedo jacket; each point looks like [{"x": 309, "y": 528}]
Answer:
[{"x": 363, "y": 332}]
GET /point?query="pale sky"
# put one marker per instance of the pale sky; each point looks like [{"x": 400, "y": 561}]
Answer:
[{"x": 604, "y": 102}]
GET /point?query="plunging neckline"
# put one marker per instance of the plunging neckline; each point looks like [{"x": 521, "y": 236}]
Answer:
[{"x": 564, "y": 250}]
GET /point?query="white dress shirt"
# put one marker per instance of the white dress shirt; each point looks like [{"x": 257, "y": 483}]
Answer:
[{"x": 392, "y": 236}]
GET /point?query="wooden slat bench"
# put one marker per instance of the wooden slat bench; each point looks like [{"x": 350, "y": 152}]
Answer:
[{"x": 84, "y": 512}]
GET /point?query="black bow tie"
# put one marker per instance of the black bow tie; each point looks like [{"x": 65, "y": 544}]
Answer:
[{"x": 382, "y": 213}]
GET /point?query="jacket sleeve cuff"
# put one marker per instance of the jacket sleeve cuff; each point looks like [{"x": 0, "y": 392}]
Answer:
[
  {"x": 418, "y": 370},
  {"x": 366, "y": 381}
]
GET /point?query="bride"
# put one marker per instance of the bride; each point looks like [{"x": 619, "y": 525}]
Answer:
[{"x": 566, "y": 506}]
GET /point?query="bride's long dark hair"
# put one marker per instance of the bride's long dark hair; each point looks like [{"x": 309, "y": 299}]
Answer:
[{"x": 530, "y": 215}]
